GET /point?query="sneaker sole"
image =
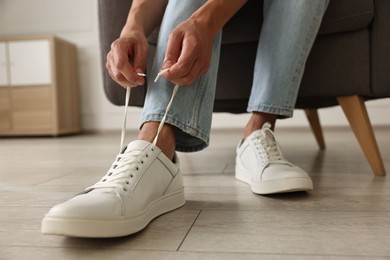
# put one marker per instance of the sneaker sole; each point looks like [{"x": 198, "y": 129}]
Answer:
[
  {"x": 112, "y": 227},
  {"x": 274, "y": 186}
]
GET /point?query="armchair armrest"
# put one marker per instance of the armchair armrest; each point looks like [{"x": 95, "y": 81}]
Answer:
[
  {"x": 112, "y": 17},
  {"x": 380, "y": 49}
]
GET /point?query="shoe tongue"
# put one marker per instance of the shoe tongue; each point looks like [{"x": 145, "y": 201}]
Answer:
[
  {"x": 257, "y": 133},
  {"x": 138, "y": 145},
  {"x": 262, "y": 133},
  {"x": 265, "y": 130}
]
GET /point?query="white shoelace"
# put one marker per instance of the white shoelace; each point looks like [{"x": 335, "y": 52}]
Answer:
[
  {"x": 122, "y": 171},
  {"x": 123, "y": 133},
  {"x": 160, "y": 126},
  {"x": 268, "y": 146},
  {"x": 127, "y": 162}
]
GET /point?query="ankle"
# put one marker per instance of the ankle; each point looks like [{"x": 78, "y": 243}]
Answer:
[
  {"x": 166, "y": 140},
  {"x": 256, "y": 122}
]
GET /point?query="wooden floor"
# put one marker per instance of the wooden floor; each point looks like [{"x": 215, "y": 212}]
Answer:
[{"x": 346, "y": 217}]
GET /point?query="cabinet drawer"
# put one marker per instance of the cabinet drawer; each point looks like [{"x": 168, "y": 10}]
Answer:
[
  {"x": 30, "y": 121},
  {"x": 5, "y": 110},
  {"x": 28, "y": 99},
  {"x": 32, "y": 107}
]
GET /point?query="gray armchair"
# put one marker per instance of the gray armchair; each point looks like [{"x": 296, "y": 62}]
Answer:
[{"x": 349, "y": 64}]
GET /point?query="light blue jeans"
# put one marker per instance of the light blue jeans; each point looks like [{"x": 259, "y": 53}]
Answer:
[{"x": 288, "y": 32}]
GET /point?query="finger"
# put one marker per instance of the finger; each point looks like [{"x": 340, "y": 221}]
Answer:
[
  {"x": 115, "y": 73},
  {"x": 122, "y": 83},
  {"x": 120, "y": 64},
  {"x": 173, "y": 50},
  {"x": 186, "y": 61},
  {"x": 194, "y": 74},
  {"x": 118, "y": 77},
  {"x": 139, "y": 64}
]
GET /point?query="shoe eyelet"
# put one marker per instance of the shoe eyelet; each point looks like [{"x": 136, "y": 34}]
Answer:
[
  {"x": 137, "y": 168},
  {"x": 124, "y": 189},
  {"x": 104, "y": 180},
  {"x": 142, "y": 162},
  {"x": 147, "y": 155},
  {"x": 131, "y": 175},
  {"x": 127, "y": 183}
]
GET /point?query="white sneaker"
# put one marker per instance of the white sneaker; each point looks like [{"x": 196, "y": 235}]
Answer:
[
  {"x": 260, "y": 163},
  {"x": 141, "y": 184}
]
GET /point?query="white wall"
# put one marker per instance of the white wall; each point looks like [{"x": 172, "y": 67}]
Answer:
[{"x": 77, "y": 22}]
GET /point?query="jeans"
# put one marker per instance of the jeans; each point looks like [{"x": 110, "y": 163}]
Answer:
[{"x": 288, "y": 32}]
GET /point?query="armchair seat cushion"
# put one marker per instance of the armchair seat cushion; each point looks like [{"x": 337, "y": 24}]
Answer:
[{"x": 347, "y": 16}]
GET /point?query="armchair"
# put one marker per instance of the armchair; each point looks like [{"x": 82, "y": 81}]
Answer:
[{"x": 349, "y": 64}]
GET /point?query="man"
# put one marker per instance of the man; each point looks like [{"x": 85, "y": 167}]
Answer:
[{"x": 145, "y": 181}]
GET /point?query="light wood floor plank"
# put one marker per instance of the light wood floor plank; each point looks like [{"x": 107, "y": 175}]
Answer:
[
  {"x": 291, "y": 232},
  {"x": 115, "y": 254},
  {"x": 21, "y": 227}
]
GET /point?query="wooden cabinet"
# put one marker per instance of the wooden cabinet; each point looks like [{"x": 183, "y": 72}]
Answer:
[
  {"x": 5, "y": 110},
  {"x": 39, "y": 92}
]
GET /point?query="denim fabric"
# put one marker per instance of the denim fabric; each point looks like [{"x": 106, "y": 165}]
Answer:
[
  {"x": 287, "y": 35},
  {"x": 288, "y": 32}
]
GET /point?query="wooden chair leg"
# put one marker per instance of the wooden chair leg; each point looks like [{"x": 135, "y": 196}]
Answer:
[
  {"x": 314, "y": 121},
  {"x": 356, "y": 113}
]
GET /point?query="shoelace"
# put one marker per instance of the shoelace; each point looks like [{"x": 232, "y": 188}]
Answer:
[
  {"x": 126, "y": 164},
  {"x": 123, "y": 133},
  {"x": 268, "y": 147},
  {"x": 122, "y": 171},
  {"x": 160, "y": 126}
]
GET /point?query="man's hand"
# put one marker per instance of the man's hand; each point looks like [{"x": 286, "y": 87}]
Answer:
[
  {"x": 128, "y": 57},
  {"x": 190, "y": 44},
  {"x": 188, "y": 53}
]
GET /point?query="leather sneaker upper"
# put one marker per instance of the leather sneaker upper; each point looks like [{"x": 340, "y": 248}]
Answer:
[
  {"x": 138, "y": 176},
  {"x": 261, "y": 164}
]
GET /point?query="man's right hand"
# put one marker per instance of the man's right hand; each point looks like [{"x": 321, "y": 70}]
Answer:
[{"x": 127, "y": 57}]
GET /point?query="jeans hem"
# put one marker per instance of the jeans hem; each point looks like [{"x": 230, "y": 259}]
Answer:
[
  {"x": 190, "y": 139},
  {"x": 281, "y": 112}
]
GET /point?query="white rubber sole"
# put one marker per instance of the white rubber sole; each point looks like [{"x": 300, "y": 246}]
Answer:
[
  {"x": 112, "y": 227},
  {"x": 274, "y": 186}
]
